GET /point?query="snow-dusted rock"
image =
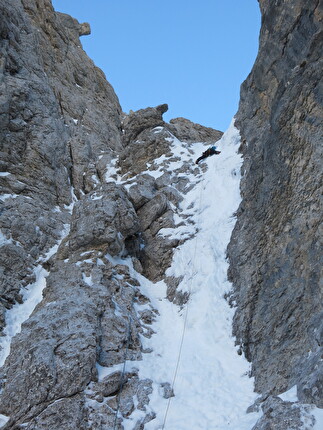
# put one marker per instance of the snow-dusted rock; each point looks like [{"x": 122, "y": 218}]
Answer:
[
  {"x": 279, "y": 414},
  {"x": 101, "y": 219},
  {"x": 90, "y": 197},
  {"x": 86, "y": 318}
]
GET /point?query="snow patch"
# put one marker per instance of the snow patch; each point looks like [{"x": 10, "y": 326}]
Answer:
[
  {"x": 157, "y": 129},
  {"x": 95, "y": 179},
  {"x": 154, "y": 173},
  {"x": 87, "y": 279},
  {"x": 74, "y": 200},
  {"x": 53, "y": 249},
  {"x": 32, "y": 295},
  {"x": 3, "y": 420},
  {"x": 111, "y": 171},
  {"x": 85, "y": 253},
  {"x": 4, "y": 197},
  {"x": 290, "y": 395},
  {"x": 106, "y": 371},
  {"x": 318, "y": 415},
  {"x": 21, "y": 312},
  {"x": 96, "y": 197},
  {"x": 3, "y": 239}
]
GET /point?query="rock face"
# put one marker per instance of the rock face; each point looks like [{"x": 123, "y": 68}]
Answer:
[
  {"x": 60, "y": 126},
  {"x": 275, "y": 251},
  {"x": 68, "y": 223},
  {"x": 47, "y": 152}
]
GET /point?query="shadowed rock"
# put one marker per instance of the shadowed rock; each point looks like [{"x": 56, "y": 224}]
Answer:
[{"x": 274, "y": 253}]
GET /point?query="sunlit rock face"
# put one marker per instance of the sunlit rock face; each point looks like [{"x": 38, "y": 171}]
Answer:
[{"x": 275, "y": 252}]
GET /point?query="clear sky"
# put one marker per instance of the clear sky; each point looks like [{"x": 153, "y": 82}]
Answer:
[{"x": 191, "y": 54}]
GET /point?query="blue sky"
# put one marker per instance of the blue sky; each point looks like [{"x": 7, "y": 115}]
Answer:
[{"x": 191, "y": 54}]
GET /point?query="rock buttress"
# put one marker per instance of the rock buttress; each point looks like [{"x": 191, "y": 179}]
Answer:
[
  {"x": 60, "y": 126},
  {"x": 275, "y": 251}
]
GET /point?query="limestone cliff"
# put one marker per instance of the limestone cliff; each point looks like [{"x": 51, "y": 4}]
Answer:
[
  {"x": 47, "y": 153},
  {"x": 276, "y": 250},
  {"x": 65, "y": 221}
]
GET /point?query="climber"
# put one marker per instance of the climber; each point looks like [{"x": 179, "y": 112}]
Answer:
[{"x": 207, "y": 153}]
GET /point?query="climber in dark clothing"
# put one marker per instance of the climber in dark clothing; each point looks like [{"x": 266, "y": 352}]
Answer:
[{"x": 207, "y": 153}]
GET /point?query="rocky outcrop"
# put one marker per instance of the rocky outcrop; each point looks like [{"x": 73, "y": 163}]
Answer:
[
  {"x": 279, "y": 414},
  {"x": 148, "y": 146},
  {"x": 275, "y": 257},
  {"x": 187, "y": 131},
  {"x": 147, "y": 137},
  {"x": 102, "y": 219},
  {"x": 141, "y": 120}
]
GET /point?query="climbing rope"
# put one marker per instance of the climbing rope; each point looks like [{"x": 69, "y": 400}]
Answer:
[{"x": 186, "y": 313}]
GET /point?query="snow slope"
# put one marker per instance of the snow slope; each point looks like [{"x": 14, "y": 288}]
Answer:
[{"x": 193, "y": 347}]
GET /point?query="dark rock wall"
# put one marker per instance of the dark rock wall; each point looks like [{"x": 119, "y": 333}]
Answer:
[{"x": 275, "y": 251}]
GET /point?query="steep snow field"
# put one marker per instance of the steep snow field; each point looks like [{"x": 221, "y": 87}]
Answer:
[{"x": 193, "y": 347}]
